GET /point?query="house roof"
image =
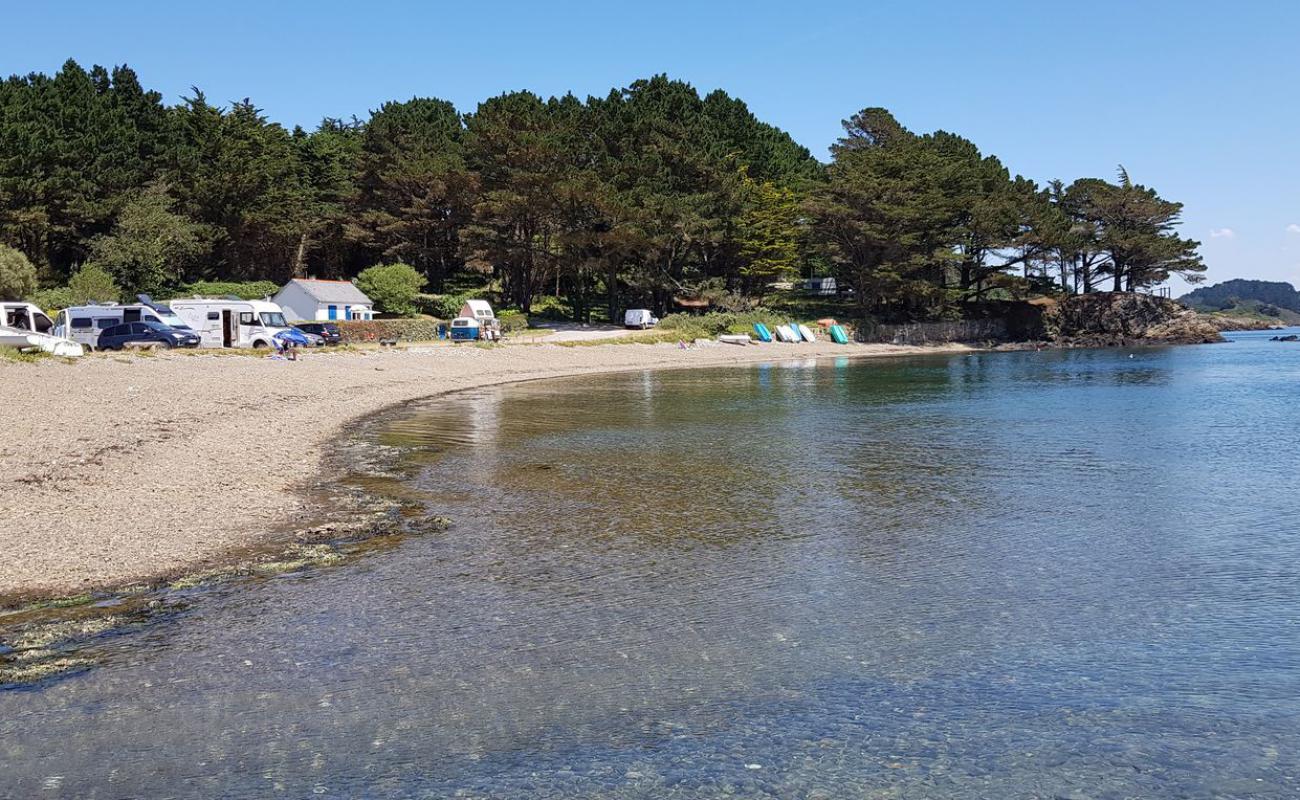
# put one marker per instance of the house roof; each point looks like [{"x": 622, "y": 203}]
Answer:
[{"x": 331, "y": 291}]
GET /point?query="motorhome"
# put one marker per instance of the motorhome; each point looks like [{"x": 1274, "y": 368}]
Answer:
[
  {"x": 84, "y": 324},
  {"x": 26, "y": 327},
  {"x": 826, "y": 287},
  {"x": 465, "y": 329},
  {"x": 231, "y": 322},
  {"x": 481, "y": 312}
]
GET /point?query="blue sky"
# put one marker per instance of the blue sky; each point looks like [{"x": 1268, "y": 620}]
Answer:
[{"x": 1196, "y": 99}]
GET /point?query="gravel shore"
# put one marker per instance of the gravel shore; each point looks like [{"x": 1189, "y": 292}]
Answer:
[{"x": 119, "y": 468}]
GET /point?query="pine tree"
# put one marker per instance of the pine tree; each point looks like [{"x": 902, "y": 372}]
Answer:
[{"x": 414, "y": 193}]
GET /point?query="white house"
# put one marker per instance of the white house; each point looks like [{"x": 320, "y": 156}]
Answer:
[{"x": 308, "y": 299}]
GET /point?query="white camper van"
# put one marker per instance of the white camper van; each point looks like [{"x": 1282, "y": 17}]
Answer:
[
  {"x": 231, "y": 322},
  {"x": 84, "y": 323},
  {"x": 480, "y": 311},
  {"x": 639, "y": 318}
]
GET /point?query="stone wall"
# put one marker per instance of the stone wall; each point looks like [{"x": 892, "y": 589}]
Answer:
[{"x": 967, "y": 330}]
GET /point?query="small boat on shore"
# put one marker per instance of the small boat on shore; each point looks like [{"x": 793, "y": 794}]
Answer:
[
  {"x": 735, "y": 338},
  {"x": 29, "y": 340}
]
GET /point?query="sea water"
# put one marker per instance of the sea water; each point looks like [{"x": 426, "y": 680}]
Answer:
[{"x": 1033, "y": 574}]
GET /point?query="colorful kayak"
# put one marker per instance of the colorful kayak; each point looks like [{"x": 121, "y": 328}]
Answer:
[
  {"x": 838, "y": 335},
  {"x": 764, "y": 335}
]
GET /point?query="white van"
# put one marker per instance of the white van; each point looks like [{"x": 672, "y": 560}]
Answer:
[
  {"x": 232, "y": 323},
  {"x": 23, "y": 316},
  {"x": 26, "y": 327},
  {"x": 639, "y": 318},
  {"x": 84, "y": 323},
  {"x": 481, "y": 312}
]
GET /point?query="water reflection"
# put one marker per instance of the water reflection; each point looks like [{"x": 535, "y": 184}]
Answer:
[{"x": 1024, "y": 574}]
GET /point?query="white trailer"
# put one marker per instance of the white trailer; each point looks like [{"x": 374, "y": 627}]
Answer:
[{"x": 231, "y": 322}]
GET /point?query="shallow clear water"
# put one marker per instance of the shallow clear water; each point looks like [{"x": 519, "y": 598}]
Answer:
[{"x": 1055, "y": 574}]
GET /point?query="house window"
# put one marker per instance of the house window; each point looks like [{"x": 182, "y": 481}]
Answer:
[
  {"x": 347, "y": 312},
  {"x": 334, "y": 312}
]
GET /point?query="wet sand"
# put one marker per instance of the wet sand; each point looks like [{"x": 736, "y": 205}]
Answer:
[{"x": 118, "y": 468}]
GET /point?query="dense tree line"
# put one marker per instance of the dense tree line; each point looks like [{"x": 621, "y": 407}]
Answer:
[{"x": 649, "y": 193}]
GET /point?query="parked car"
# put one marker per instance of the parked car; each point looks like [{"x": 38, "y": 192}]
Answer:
[
  {"x": 325, "y": 330},
  {"x": 146, "y": 333},
  {"x": 639, "y": 318}
]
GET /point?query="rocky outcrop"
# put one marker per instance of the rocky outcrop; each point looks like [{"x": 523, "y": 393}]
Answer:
[
  {"x": 1227, "y": 322},
  {"x": 1115, "y": 319}
]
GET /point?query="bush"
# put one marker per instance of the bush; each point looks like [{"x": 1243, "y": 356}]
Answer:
[
  {"x": 443, "y": 306},
  {"x": 714, "y": 323},
  {"x": 407, "y": 330},
  {"x": 715, "y": 291},
  {"x": 17, "y": 275},
  {"x": 393, "y": 287},
  {"x": 512, "y": 321},
  {"x": 550, "y": 307},
  {"x": 52, "y": 300},
  {"x": 91, "y": 284},
  {"x": 244, "y": 290}
]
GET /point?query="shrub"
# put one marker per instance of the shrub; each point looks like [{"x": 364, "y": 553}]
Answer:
[
  {"x": 512, "y": 321},
  {"x": 443, "y": 306},
  {"x": 714, "y": 323},
  {"x": 393, "y": 287},
  {"x": 52, "y": 300},
  {"x": 92, "y": 284},
  {"x": 715, "y": 291},
  {"x": 550, "y": 307},
  {"x": 407, "y": 330},
  {"x": 17, "y": 275},
  {"x": 244, "y": 290},
  {"x": 429, "y": 304}
]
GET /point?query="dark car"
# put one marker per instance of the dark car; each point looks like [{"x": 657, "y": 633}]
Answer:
[
  {"x": 146, "y": 333},
  {"x": 325, "y": 330}
]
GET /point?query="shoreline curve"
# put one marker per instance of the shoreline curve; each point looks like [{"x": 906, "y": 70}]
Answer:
[{"x": 126, "y": 470}]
